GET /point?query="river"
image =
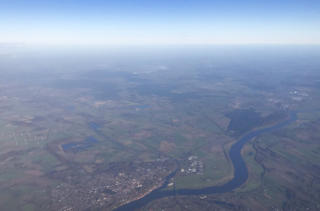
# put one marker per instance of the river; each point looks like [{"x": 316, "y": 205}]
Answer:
[{"x": 239, "y": 178}]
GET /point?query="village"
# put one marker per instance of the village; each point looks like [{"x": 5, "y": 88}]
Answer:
[{"x": 110, "y": 187}]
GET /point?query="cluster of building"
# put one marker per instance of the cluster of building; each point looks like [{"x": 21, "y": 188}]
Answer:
[
  {"x": 109, "y": 188},
  {"x": 298, "y": 95},
  {"x": 195, "y": 166}
]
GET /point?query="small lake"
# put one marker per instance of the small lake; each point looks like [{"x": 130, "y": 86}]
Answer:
[{"x": 79, "y": 146}]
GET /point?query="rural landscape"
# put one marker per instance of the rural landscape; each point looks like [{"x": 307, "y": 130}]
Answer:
[{"x": 155, "y": 129}]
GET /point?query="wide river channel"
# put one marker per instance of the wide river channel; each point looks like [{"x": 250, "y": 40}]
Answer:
[{"x": 239, "y": 178}]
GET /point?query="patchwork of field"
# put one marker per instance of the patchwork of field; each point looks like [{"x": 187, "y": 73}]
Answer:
[{"x": 98, "y": 138}]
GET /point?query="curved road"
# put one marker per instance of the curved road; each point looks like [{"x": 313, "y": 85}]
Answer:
[{"x": 240, "y": 172}]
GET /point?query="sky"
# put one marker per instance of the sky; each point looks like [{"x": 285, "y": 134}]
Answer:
[{"x": 159, "y": 22}]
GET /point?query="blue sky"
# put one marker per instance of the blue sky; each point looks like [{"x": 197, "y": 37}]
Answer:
[{"x": 121, "y": 22}]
